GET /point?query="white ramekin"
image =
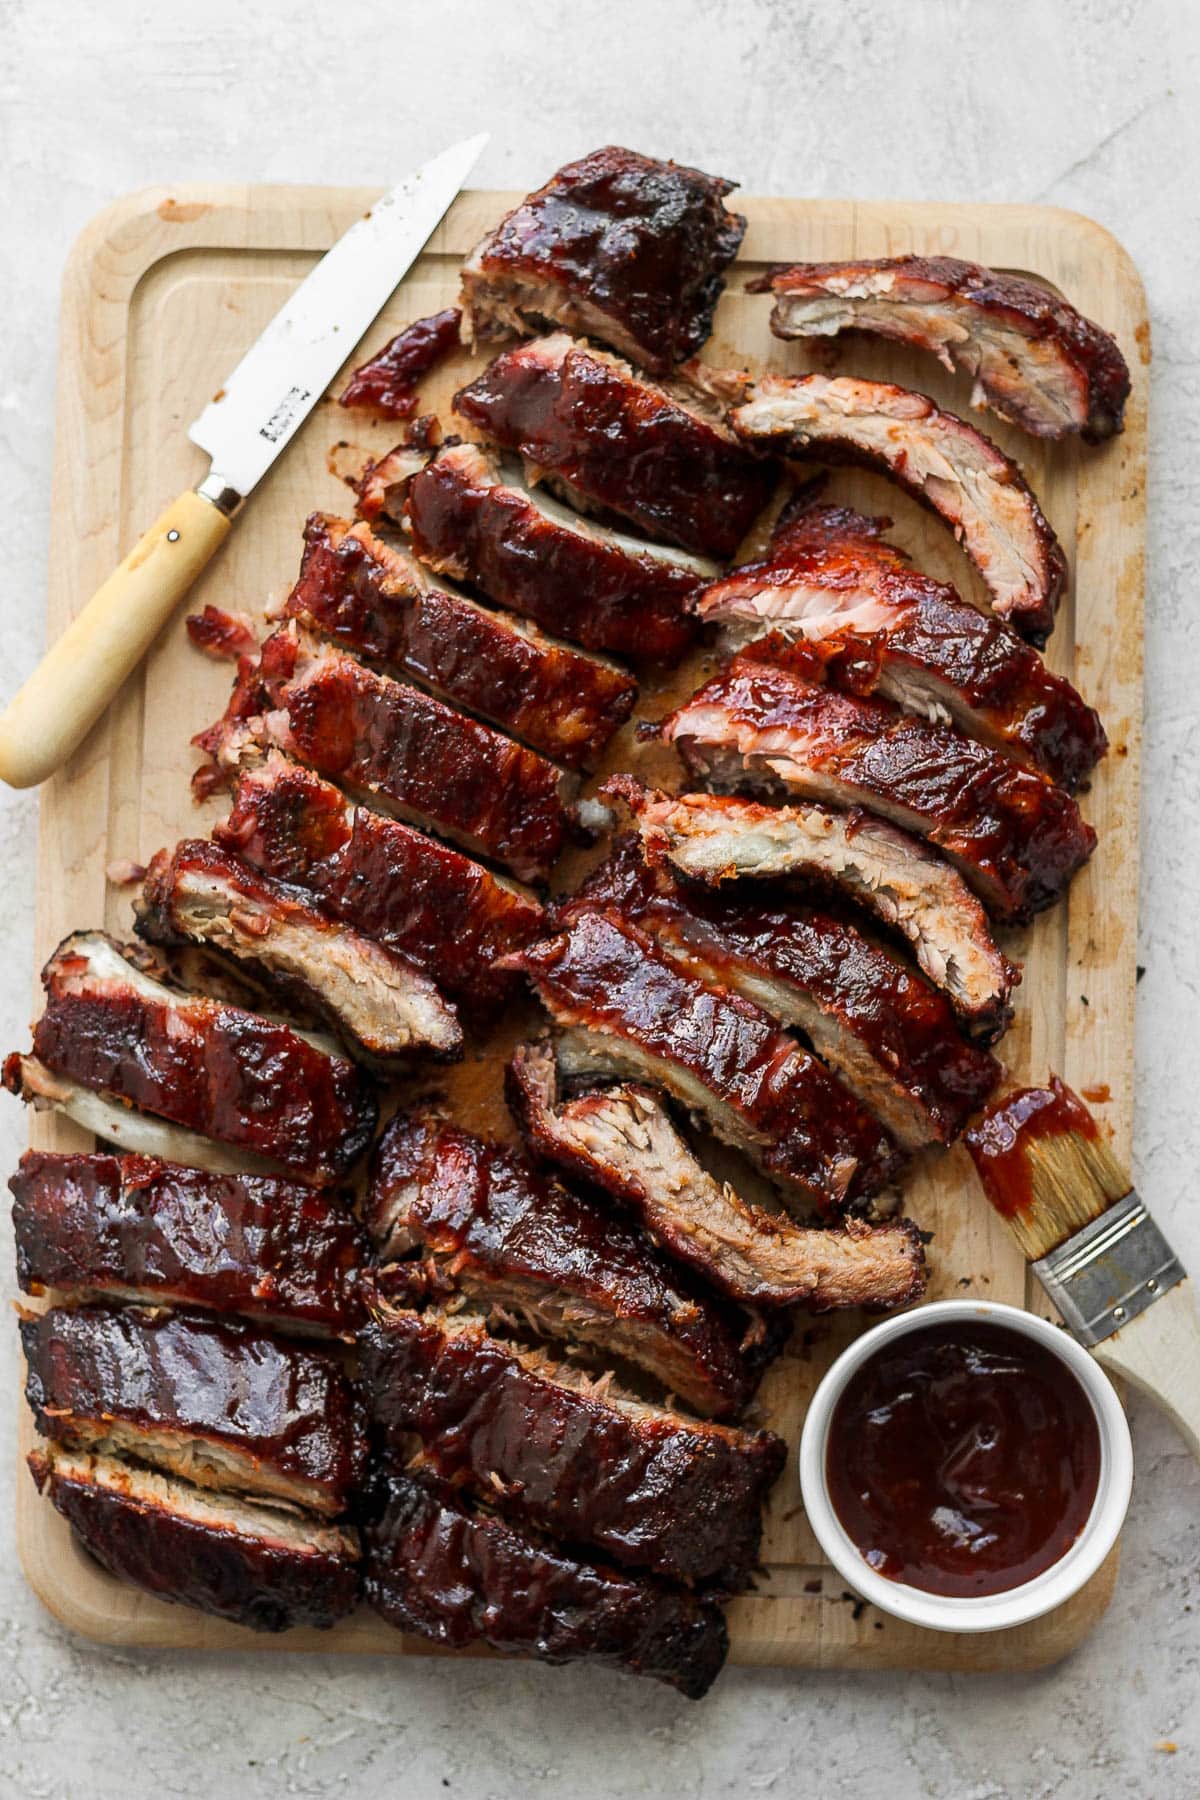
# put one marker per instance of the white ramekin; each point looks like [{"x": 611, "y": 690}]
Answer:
[{"x": 991, "y": 1612}]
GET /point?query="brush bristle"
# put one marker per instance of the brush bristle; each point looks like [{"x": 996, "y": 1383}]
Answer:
[{"x": 1044, "y": 1166}]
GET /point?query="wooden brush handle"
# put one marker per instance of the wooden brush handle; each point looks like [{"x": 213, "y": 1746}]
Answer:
[
  {"x": 1159, "y": 1354},
  {"x": 82, "y": 672}
]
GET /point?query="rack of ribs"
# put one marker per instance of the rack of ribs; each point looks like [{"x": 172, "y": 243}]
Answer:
[
  {"x": 1033, "y": 358},
  {"x": 569, "y": 1453},
  {"x": 257, "y": 1085},
  {"x": 620, "y": 1140},
  {"x": 444, "y": 913},
  {"x": 1015, "y": 836},
  {"x": 379, "y": 1004},
  {"x": 617, "y": 246},
  {"x": 378, "y": 602},
  {"x": 480, "y": 1221},
  {"x": 406, "y": 750},
  {"x": 607, "y": 438},
  {"x": 260, "y": 1566},
  {"x": 135, "y": 1228},
  {"x": 473, "y": 516},
  {"x": 830, "y": 584},
  {"x": 711, "y": 839},
  {"x": 629, "y": 1009},
  {"x": 438, "y": 1566},
  {"x": 954, "y": 470},
  {"x": 889, "y": 1036},
  {"x": 216, "y": 1403}
]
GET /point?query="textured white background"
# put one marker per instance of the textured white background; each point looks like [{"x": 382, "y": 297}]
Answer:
[{"x": 1088, "y": 104}]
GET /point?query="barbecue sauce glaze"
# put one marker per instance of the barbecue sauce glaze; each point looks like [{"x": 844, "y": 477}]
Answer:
[{"x": 963, "y": 1459}]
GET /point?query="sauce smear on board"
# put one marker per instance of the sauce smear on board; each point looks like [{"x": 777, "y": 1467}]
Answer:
[{"x": 963, "y": 1459}]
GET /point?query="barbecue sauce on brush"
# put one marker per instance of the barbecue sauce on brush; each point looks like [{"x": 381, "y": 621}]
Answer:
[{"x": 963, "y": 1460}]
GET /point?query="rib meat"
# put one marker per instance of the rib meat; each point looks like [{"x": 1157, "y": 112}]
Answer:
[
  {"x": 409, "y": 752},
  {"x": 380, "y": 1004},
  {"x": 621, "y": 247},
  {"x": 473, "y": 517},
  {"x": 257, "y": 1565},
  {"x": 889, "y": 1036},
  {"x": 575, "y": 1456},
  {"x": 631, "y": 1010},
  {"x": 1034, "y": 360},
  {"x": 462, "y": 1576},
  {"x": 941, "y": 460},
  {"x": 252, "y": 1083},
  {"x": 378, "y": 602},
  {"x": 621, "y": 1140},
  {"x": 137, "y": 1228},
  {"x": 486, "y": 1225},
  {"x": 449, "y": 916},
  {"x": 388, "y": 382},
  {"x": 710, "y": 839},
  {"x": 217, "y": 1404},
  {"x": 1016, "y": 837},
  {"x": 830, "y": 584},
  {"x": 606, "y": 437}
]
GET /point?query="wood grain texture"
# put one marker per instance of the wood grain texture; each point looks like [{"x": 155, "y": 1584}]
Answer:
[{"x": 162, "y": 296}]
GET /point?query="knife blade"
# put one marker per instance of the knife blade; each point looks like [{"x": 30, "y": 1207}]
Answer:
[
  {"x": 261, "y": 407},
  {"x": 281, "y": 377}
]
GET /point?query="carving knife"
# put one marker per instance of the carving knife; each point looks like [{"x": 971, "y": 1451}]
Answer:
[{"x": 259, "y": 410}]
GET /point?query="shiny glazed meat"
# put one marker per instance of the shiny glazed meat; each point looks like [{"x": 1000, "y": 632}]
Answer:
[
  {"x": 447, "y": 914},
  {"x": 485, "y": 1223},
  {"x": 378, "y": 602},
  {"x": 624, "y": 248},
  {"x": 1016, "y": 837},
  {"x": 137, "y": 1228},
  {"x": 572, "y": 1455},
  {"x": 465, "y": 1577},
  {"x": 218, "y": 1404},
  {"x": 256, "y": 1565},
  {"x": 607, "y": 438}
]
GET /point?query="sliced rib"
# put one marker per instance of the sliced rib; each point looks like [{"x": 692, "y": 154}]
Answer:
[
  {"x": 714, "y": 838},
  {"x": 621, "y": 1140},
  {"x": 1034, "y": 360},
  {"x": 941, "y": 460},
  {"x": 487, "y": 1225},
  {"x": 472, "y": 516},
  {"x": 217, "y": 1404},
  {"x": 252, "y": 1083},
  {"x": 625, "y": 248},
  {"x": 413, "y": 755},
  {"x": 890, "y": 1036},
  {"x": 574, "y": 1455},
  {"x": 830, "y": 584},
  {"x": 378, "y": 602},
  {"x": 434, "y": 906},
  {"x": 605, "y": 437},
  {"x": 1015, "y": 836},
  {"x": 460, "y": 1576},
  {"x": 632, "y": 1010},
  {"x": 380, "y": 1004},
  {"x": 260, "y": 1566},
  {"x": 137, "y": 1228}
]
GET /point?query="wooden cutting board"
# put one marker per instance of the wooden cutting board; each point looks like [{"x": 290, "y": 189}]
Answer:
[{"x": 163, "y": 293}]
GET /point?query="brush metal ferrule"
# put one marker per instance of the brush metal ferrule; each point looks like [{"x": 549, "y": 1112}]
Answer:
[{"x": 1109, "y": 1271}]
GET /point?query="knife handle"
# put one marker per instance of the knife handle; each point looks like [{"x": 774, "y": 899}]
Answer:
[{"x": 83, "y": 671}]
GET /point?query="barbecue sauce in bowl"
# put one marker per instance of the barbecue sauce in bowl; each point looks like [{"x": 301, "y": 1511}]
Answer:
[{"x": 963, "y": 1459}]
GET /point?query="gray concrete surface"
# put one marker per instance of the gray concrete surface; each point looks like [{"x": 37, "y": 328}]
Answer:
[{"x": 1090, "y": 104}]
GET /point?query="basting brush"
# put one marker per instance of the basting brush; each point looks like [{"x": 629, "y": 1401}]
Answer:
[{"x": 1103, "y": 1262}]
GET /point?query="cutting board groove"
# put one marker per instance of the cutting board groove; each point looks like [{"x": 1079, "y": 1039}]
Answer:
[{"x": 162, "y": 294}]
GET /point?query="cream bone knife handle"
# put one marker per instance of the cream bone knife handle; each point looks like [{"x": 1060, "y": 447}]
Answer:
[
  {"x": 1125, "y": 1295},
  {"x": 80, "y": 674}
]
